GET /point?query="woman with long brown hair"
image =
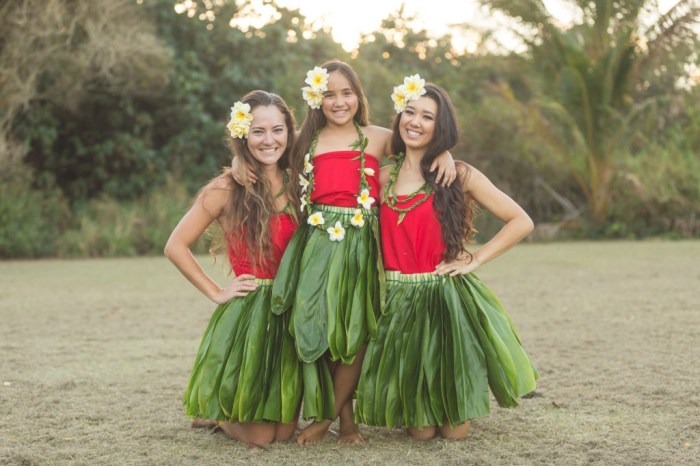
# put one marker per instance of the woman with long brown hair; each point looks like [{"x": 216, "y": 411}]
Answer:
[
  {"x": 444, "y": 338},
  {"x": 246, "y": 376}
]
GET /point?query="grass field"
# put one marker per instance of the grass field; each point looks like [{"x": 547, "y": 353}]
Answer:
[{"x": 95, "y": 355}]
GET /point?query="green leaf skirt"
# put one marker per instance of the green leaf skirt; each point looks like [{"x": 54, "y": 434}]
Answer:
[
  {"x": 333, "y": 288},
  {"x": 246, "y": 368},
  {"x": 442, "y": 342}
]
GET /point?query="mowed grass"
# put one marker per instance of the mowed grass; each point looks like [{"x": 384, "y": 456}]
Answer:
[{"x": 95, "y": 355}]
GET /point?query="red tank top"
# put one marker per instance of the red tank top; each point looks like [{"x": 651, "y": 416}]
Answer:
[
  {"x": 337, "y": 178},
  {"x": 282, "y": 227},
  {"x": 415, "y": 245}
]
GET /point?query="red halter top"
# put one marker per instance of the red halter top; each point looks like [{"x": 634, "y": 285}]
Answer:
[
  {"x": 415, "y": 245},
  {"x": 282, "y": 227},
  {"x": 337, "y": 178}
]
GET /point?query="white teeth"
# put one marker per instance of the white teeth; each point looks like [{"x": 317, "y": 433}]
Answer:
[{"x": 413, "y": 133}]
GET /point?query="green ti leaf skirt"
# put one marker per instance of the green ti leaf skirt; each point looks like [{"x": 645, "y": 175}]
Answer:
[
  {"x": 246, "y": 368},
  {"x": 442, "y": 342},
  {"x": 335, "y": 290}
]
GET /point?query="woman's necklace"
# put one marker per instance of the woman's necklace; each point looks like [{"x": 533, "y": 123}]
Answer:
[{"x": 390, "y": 196}]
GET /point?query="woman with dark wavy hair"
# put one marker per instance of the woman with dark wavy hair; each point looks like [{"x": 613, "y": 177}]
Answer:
[
  {"x": 246, "y": 377},
  {"x": 444, "y": 338}
]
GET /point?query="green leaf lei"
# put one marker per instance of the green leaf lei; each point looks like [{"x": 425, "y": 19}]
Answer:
[
  {"x": 390, "y": 191},
  {"x": 307, "y": 184}
]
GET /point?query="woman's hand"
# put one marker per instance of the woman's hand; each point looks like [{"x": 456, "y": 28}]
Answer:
[
  {"x": 239, "y": 287},
  {"x": 240, "y": 172},
  {"x": 458, "y": 267},
  {"x": 447, "y": 171}
]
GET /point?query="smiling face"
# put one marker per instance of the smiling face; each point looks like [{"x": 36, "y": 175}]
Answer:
[
  {"x": 267, "y": 137},
  {"x": 340, "y": 102},
  {"x": 417, "y": 123}
]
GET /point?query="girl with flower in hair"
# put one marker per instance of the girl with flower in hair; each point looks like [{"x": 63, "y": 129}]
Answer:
[
  {"x": 331, "y": 276},
  {"x": 444, "y": 338},
  {"x": 246, "y": 376}
]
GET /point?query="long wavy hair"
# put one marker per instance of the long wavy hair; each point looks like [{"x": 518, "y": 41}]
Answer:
[
  {"x": 246, "y": 218},
  {"x": 315, "y": 119},
  {"x": 455, "y": 211}
]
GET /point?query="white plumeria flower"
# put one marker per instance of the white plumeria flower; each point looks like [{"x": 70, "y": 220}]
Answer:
[
  {"x": 303, "y": 204},
  {"x": 365, "y": 200},
  {"x": 317, "y": 79},
  {"x": 336, "y": 232},
  {"x": 304, "y": 183},
  {"x": 312, "y": 97},
  {"x": 315, "y": 219},
  {"x": 415, "y": 86},
  {"x": 238, "y": 130},
  {"x": 308, "y": 167},
  {"x": 358, "y": 219},
  {"x": 399, "y": 98},
  {"x": 369, "y": 171},
  {"x": 240, "y": 113}
]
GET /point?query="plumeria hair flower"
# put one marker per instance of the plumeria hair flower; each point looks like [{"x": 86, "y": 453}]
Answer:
[
  {"x": 239, "y": 124},
  {"x": 412, "y": 88},
  {"x": 317, "y": 80}
]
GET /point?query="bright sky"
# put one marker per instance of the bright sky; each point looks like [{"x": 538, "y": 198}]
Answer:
[{"x": 350, "y": 19}]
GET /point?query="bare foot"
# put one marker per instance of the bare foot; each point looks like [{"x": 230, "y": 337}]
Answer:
[
  {"x": 237, "y": 432},
  {"x": 203, "y": 423},
  {"x": 313, "y": 433},
  {"x": 350, "y": 437}
]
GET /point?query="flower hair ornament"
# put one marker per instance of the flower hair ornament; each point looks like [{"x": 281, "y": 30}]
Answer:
[
  {"x": 239, "y": 124},
  {"x": 412, "y": 88},
  {"x": 317, "y": 80}
]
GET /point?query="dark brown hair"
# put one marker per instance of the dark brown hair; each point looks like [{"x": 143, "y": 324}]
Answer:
[
  {"x": 455, "y": 211},
  {"x": 247, "y": 216},
  {"x": 315, "y": 119}
]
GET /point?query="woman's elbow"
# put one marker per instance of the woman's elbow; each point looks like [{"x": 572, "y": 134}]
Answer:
[
  {"x": 528, "y": 225},
  {"x": 169, "y": 249}
]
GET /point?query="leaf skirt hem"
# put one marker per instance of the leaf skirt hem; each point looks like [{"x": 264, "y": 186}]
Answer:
[{"x": 442, "y": 343}]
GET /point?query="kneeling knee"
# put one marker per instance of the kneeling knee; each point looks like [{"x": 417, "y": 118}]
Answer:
[{"x": 426, "y": 433}]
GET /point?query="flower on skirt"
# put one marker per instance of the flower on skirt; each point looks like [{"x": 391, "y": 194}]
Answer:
[{"x": 337, "y": 232}]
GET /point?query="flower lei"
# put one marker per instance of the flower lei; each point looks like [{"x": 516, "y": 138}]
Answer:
[
  {"x": 364, "y": 200},
  {"x": 412, "y": 88},
  {"x": 239, "y": 124},
  {"x": 390, "y": 192}
]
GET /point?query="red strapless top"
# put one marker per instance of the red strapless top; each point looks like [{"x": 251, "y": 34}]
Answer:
[
  {"x": 282, "y": 227},
  {"x": 337, "y": 178},
  {"x": 414, "y": 246}
]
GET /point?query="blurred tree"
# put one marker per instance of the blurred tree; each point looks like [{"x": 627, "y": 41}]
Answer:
[
  {"x": 593, "y": 79},
  {"x": 70, "y": 73}
]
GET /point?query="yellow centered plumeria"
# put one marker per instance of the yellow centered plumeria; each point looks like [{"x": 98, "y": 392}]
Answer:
[
  {"x": 399, "y": 98},
  {"x": 304, "y": 183},
  {"x": 239, "y": 123},
  {"x": 336, "y": 232},
  {"x": 412, "y": 88},
  {"x": 358, "y": 219},
  {"x": 317, "y": 80},
  {"x": 365, "y": 200},
  {"x": 308, "y": 167},
  {"x": 315, "y": 219}
]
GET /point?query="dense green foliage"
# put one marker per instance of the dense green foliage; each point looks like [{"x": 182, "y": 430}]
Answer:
[{"x": 112, "y": 113}]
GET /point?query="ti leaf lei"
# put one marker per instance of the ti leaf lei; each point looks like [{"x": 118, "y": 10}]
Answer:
[
  {"x": 364, "y": 200},
  {"x": 390, "y": 192}
]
